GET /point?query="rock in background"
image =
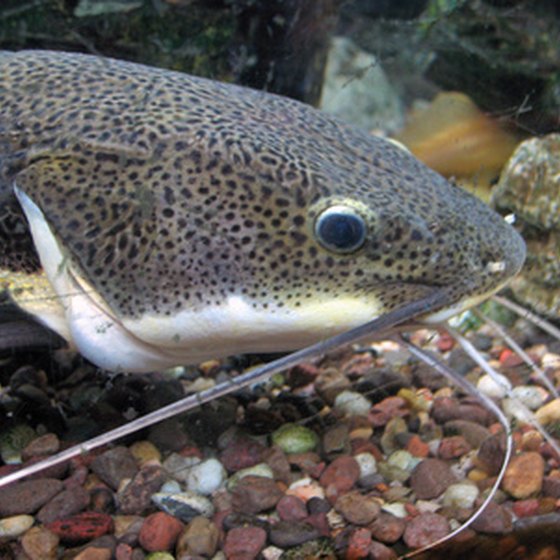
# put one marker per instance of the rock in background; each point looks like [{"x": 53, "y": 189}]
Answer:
[{"x": 530, "y": 187}]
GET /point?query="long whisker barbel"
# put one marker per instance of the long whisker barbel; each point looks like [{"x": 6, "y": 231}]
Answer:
[{"x": 437, "y": 299}]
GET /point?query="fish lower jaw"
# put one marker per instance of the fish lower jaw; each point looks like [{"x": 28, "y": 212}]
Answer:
[
  {"x": 447, "y": 313},
  {"x": 159, "y": 342}
]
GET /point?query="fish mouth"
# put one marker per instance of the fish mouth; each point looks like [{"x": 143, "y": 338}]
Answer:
[{"x": 474, "y": 283}]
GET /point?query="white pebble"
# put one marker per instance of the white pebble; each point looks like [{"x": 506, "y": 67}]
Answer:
[
  {"x": 396, "y": 508},
  {"x": 550, "y": 361},
  {"x": 367, "y": 463},
  {"x": 170, "y": 487},
  {"x": 460, "y": 495},
  {"x": 352, "y": 403},
  {"x": 206, "y": 477},
  {"x": 12, "y": 527},
  {"x": 427, "y": 506},
  {"x": 271, "y": 552},
  {"x": 532, "y": 397},
  {"x": 492, "y": 388},
  {"x": 305, "y": 489},
  {"x": 514, "y": 409}
]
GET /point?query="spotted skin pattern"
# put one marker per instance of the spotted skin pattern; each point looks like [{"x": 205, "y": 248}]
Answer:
[{"x": 172, "y": 192}]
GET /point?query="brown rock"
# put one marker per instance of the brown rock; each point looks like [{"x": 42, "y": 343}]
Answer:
[
  {"x": 200, "y": 538},
  {"x": 102, "y": 499},
  {"x": 526, "y": 508},
  {"x": 357, "y": 509},
  {"x": 430, "y": 478},
  {"x": 359, "y": 544},
  {"x": 336, "y": 440},
  {"x": 254, "y": 494},
  {"x": 425, "y": 529},
  {"x": 39, "y": 543},
  {"x": 494, "y": 519},
  {"x": 241, "y": 452},
  {"x": 291, "y": 533},
  {"x": 453, "y": 447},
  {"x": 159, "y": 532},
  {"x": 445, "y": 409},
  {"x": 65, "y": 504},
  {"x": 57, "y": 471},
  {"x": 320, "y": 522},
  {"x": 302, "y": 374},
  {"x": 391, "y": 407},
  {"x": 524, "y": 475},
  {"x": 115, "y": 465},
  {"x": 94, "y": 553},
  {"x": 341, "y": 474},
  {"x": 490, "y": 456},
  {"x": 135, "y": 497},
  {"x": 27, "y": 497},
  {"x": 330, "y": 383},
  {"x": 44, "y": 445},
  {"x": 276, "y": 459},
  {"x": 378, "y": 551},
  {"x": 307, "y": 462},
  {"x": 551, "y": 486},
  {"x": 387, "y": 528},
  {"x": 126, "y": 525},
  {"x": 169, "y": 435},
  {"x": 123, "y": 552},
  {"x": 291, "y": 508},
  {"x": 474, "y": 433}
]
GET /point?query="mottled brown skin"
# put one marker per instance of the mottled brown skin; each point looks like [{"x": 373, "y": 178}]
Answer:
[{"x": 171, "y": 191}]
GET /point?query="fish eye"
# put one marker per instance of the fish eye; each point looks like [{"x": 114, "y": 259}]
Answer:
[{"x": 340, "y": 229}]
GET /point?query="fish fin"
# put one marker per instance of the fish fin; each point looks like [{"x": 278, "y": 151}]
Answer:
[{"x": 19, "y": 331}]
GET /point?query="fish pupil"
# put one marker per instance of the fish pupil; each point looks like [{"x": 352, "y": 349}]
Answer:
[{"x": 340, "y": 229}]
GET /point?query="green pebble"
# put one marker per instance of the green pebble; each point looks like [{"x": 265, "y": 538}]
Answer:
[
  {"x": 13, "y": 441},
  {"x": 403, "y": 460},
  {"x": 292, "y": 438},
  {"x": 392, "y": 472},
  {"x": 260, "y": 469},
  {"x": 160, "y": 556}
]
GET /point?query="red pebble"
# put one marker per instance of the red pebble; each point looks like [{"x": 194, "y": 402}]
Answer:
[
  {"x": 159, "y": 531},
  {"x": 244, "y": 543},
  {"x": 453, "y": 447},
  {"x": 417, "y": 447},
  {"x": 82, "y": 527},
  {"x": 510, "y": 359},
  {"x": 342, "y": 473},
  {"x": 191, "y": 451},
  {"x": 360, "y": 445},
  {"x": 358, "y": 545},
  {"x": 445, "y": 342},
  {"x": 411, "y": 509},
  {"x": 219, "y": 517},
  {"x": 388, "y": 408},
  {"x": 123, "y": 552},
  {"x": 8, "y": 469},
  {"x": 526, "y": 508},
  {"x": 241, "y": 453}
]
